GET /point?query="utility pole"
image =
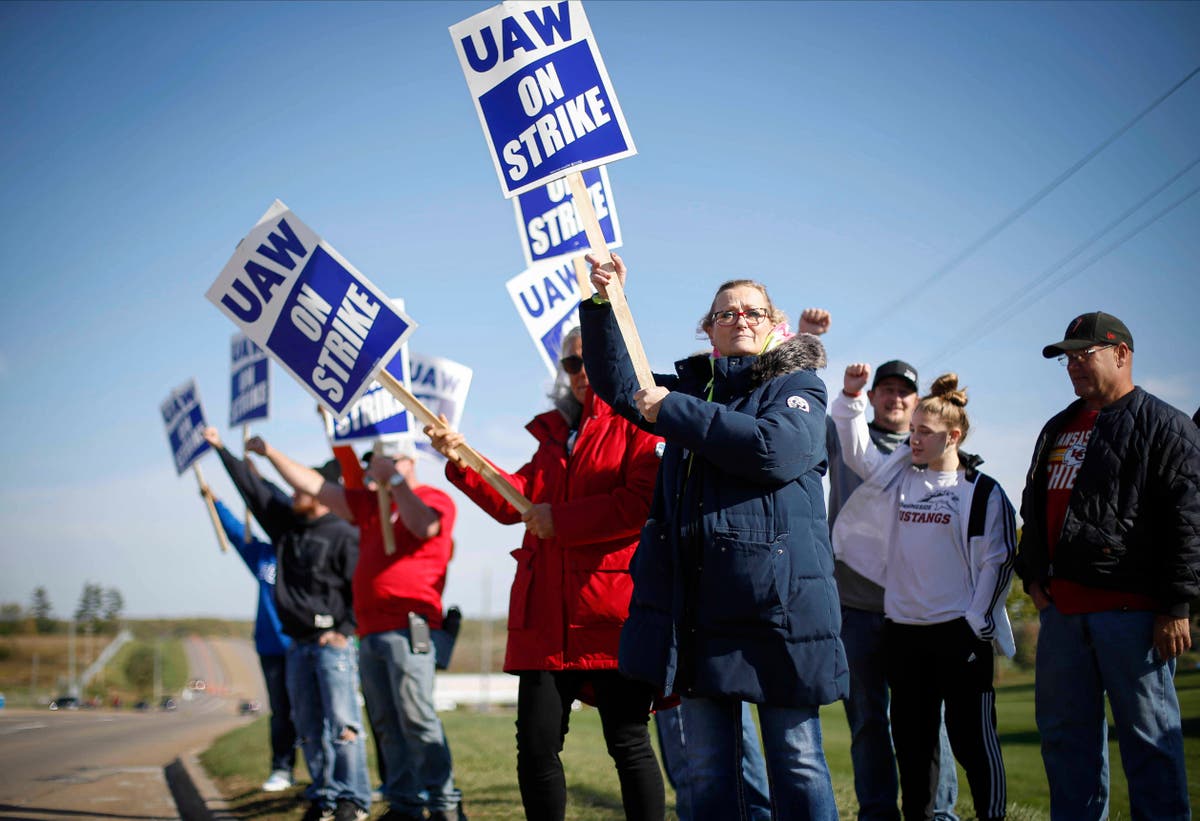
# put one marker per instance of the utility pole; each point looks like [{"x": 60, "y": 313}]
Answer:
[
  {"x": 72, "y": 684},
  {"x": 33, "y": 679},
  {"x": 486, "y": 664},
  {"x": 158, "y": 671}
]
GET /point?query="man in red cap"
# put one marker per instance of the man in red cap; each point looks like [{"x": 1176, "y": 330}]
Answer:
[{"x": 1110, "y": 554}]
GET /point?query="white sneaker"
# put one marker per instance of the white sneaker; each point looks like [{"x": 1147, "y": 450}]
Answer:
[{"x": 280, "y": 780}]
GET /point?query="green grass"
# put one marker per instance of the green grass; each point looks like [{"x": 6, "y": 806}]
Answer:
[{"x": 485, "y": 762}]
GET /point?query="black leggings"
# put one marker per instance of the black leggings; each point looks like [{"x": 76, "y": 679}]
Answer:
[
  {"x": 543, "y": 712},
  {"x": 928, "y": 665}
]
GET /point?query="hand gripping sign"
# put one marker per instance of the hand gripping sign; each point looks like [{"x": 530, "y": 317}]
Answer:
[
  {"x": 184, "y": 420},
  {"x": 548, "y": 111},
  {"x": 323, "y": 321},
  {"x": 442, "y": 385},
  {"x": 547, "y": 300},
  {"x": 249, "y": 383},
  {"x": 550, "y": 224}
]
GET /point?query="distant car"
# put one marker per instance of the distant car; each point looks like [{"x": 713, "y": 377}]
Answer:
[
  {"x": 142, "y": 705},
  {"x": 65, "y": 703},
  {"x": 249, "y": 707},
  {"x": 168, "y": 703}
]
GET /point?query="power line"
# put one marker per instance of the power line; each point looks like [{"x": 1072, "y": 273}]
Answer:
[
  {"x": 893, "y": 305},
  {"x": 992, "y": 321}
]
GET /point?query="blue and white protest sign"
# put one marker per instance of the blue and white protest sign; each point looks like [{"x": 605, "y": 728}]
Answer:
[
  {"x": 184, "y": 420},
  {"x": 377, "y": 414},
  {"x": 249, "y": 385},
  {"x": 548, "y": 301},
  {"x": 442, "y": 385},
  {"x": 549, "y": 223},
  {"x": 541, "y": 91},
  {"x": 313, "y": 312}
]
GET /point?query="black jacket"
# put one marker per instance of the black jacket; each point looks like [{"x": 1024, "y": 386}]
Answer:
[
  {"x": 315, "y": 559},
  {"x": 1133, "y": 520}
]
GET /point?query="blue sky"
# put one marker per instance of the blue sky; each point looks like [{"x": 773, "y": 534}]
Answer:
[{"x": 841, "y": 153}]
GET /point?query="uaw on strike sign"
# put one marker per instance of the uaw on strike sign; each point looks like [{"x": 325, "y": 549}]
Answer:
[
  {"x": 323, "y": 321},
  {"x": 549, "y": 223},
  {"x": 183, "y": 418},
  {"x": 249, "y": 382},
  {"x": 541, "y": 91},
  {"x": 547, "y": 300},
  {"x": 377, "y": 414}
]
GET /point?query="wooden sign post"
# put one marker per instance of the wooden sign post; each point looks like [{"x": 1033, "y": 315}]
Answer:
[
  {"x": 582, "y": 279},
  {"x": 212, "y": 509},
  {"x": 464, "y": 455},
  {"x": 615, "y": 293},
  {"x": 384, "y": 496}
]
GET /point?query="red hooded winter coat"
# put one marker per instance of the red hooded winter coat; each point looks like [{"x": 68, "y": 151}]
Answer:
[{"x": 571, "y": 593}]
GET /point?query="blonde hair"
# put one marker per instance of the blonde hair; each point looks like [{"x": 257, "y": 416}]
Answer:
[
  {"x": 947, "y": 402},
  {"x": 774, "y": 315}
]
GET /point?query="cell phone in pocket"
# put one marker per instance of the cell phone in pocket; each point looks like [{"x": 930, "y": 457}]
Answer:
[{"x": 418, "y": 634}]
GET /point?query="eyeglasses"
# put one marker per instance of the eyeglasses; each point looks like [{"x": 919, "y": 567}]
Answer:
[
  {"x": 1079, "y": 357},
  {"x": 571, "y": 364},
  {"x": 753, "y": 316}
]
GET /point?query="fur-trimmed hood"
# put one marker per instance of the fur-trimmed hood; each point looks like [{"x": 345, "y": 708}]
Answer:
[{"x": 798, "y": 353}]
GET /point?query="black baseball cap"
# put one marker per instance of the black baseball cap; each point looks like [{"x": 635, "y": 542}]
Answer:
[
  {"x": 331, "y": 471},
  {"x": 896, "y": 367},
  {"x": 1086, "y": 330}
]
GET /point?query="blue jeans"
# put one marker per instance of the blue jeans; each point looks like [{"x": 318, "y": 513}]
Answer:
[
  {"x": 398, "y": 685},
  {"x": 323, "y": 686},
  {"x": 876, "y": 784},
  {"x": 800, "y": 787},
  {"x": 283, "y": 733},
  {"x": 1081, "y": 658},
  {"x": 673, "y": 742}
]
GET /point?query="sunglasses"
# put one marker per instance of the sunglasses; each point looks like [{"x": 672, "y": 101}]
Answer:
[{"x": 571, "y": 364}]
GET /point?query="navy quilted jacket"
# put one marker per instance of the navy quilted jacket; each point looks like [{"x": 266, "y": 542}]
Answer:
[{"x": 733, "y": 576}]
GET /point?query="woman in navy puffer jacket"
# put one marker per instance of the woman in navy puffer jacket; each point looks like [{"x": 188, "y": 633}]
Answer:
[{"x": 734, "y": 598}]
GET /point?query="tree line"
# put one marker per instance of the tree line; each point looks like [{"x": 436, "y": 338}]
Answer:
[{"x": 99, "y": 608}]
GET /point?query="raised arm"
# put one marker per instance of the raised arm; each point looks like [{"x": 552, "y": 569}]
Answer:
[
  {"x": 303, "y": 478},
  {"x": 446, "y": 441},
  {"x": 610, "y": 370},
  {"x": 849, "y": 412},
  {"x": 417, "y": 517},
  {"x": 266, "y": 502}
]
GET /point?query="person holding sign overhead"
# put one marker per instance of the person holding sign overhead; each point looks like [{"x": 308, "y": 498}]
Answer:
[
  {"x": 590, "y": 482},
  {"x": 317, "y": 553},
  {"x": 733, "y": 598},
  {"x": 398, "y": 605},
  {"x": 270, "y": 641}
]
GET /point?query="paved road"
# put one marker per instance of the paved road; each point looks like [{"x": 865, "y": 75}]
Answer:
[{"x": 108, "y": 764}]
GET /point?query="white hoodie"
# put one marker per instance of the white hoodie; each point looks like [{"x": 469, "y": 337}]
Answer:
[{"x": 906, "y": 528}]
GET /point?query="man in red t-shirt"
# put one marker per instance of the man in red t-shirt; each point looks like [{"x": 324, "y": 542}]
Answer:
[
  {"x": 1110, "y": 554},
  {"x": 398, "y": 607}
]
